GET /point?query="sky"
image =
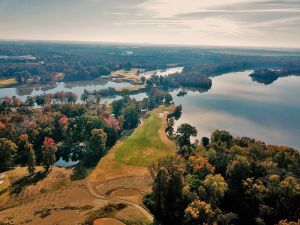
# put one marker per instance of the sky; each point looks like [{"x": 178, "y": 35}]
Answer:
[{"x": 256, "y": 23}]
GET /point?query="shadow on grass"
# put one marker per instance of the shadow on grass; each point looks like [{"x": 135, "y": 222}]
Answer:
[
  {"x": 18, "y": 185},
  {"x": 78, "y": 172}
]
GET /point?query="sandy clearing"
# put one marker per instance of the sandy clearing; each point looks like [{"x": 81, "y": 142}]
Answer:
[{"x": 107, "y": 221}]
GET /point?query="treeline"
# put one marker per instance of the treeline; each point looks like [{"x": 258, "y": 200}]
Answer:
[
  {"x": 225, "y": 180},
  {"x": 268, "y": 76},
  {"x": 40, "y": 136},
  {"x": 90, "y": 61},
  {"x": 191, "y": 79},
  {"x": 45, "y": 134}
]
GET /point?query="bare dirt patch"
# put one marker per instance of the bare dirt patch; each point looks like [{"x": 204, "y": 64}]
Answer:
[
  {"x": 54, "y": 200},
  {"x": 128, "y": 194},
  {"x": 107, "y": 221}
]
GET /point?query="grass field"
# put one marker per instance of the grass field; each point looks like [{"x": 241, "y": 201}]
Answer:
[
  {"x": 133, "y": 155},
  {"x": 4, "y": 194},
  {"x": 145, "y": 144},
  {"x": 7, "y": 82}
]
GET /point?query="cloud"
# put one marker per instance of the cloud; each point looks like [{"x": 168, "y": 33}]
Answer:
[{"x": 221, "y": 22}]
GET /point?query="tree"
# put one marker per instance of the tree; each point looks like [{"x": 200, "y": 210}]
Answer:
[
  {"x": 30, "y": 158},
  {"x": 143, "y": 79},
  {"x": 222, "y": 136},
  {"x": 131, "y": 118},
  {"x": 199, "y": 212},
  {"x": 48, "y": 151},
  {"x": 167, "y": 201},
  {"x": 7, "y": 150},
  {"x": 177, "y": 112},
  {"x": 98, "y": 97},
  {"x": 168, "y": 98},
  {"x": 239, "y": 169},
  {"x": 205, "y": 141},
  {"x": 85, "y": 96},
  {"x": 184, "y": 132},
  {"x": 215, "y": 187},
  {"x": 97, "y": 142}
]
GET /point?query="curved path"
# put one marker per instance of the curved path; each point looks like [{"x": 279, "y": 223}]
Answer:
[{"x": 93, "y": 190}]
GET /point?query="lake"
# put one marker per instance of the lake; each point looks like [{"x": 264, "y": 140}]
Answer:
[
  {"x": 234, "y": 103},
  {"x": 75, "y": 87},
  {"x": 162, "y": 72},
  {"x": 78, "y": 87},
  {"x": 245, "y": 108}
]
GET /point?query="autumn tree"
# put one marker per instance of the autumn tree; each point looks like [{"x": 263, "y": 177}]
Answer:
[
  {"x": 48, "y": 151},
  {"x": 215, "y": 188},
  {"x": 97, "y": 142},
  {"x": 7, "y": 150},
  {"x": 199, "y": 212}
]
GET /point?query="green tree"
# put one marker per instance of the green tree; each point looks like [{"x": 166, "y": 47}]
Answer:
[
  {"x": 167, "y": 201},
  {"x": 131, "y": 118},
  {"x": 168, "y": 98},
  {"x": 97, "y": 142},
  {"x": 205, "y": 141},
  {"x": 98, "y": 97},
  {"x": 222, "y": 136},
  {"x": 184, "y": 132},
  {"x": 239, "y": 169},
  {"x": 30, "y": 158},
  {"x": 7, "y": 150}
]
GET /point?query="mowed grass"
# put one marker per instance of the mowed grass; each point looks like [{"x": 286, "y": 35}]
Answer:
[
  {"x": 7, "y": 82},
  {"x": 144, "y": 145},
  {"x": 134, "y": 154}
]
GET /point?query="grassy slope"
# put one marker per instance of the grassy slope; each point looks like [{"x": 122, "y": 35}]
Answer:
[
  {"x": 144, "y": 145},
  {"x": 133, "y": 155}
]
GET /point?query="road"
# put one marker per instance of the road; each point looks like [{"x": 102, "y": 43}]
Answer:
[{"x": 92, "y": 189}]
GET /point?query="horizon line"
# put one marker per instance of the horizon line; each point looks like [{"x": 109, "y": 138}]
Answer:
[{"x": 151, "y": 44}]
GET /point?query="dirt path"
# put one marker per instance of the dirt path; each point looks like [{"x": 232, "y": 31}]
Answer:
[{"x": 92, "y": 187}]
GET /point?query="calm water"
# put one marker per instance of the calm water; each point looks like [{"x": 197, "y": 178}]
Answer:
[
  {"x": 246, "y": 108},
  {"x": 235, "y": 103},
  {"x": 163, "y": 73},
  {"x": 63, "y": 163},
  {"x": 79, "y": 86},
  {"x": 75, "y": 87}
]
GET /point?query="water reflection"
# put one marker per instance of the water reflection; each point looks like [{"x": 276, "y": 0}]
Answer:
[{"x": 245, "y": 108}]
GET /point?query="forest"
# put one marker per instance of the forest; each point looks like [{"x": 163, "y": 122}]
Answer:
[
  {"x": 42, "y": 62},
  {"x": 219, "y": 179},
  {"x": 225, "y": 180},
  {"x": 33, "y": 136}
]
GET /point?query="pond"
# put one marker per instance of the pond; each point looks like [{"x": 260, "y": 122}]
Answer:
[
  {"x": 246, "y": 108},
  {"x": 63, "y": 163}
]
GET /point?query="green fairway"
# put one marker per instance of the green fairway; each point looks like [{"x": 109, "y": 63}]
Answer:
[{"x": 146, "y": 143}]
